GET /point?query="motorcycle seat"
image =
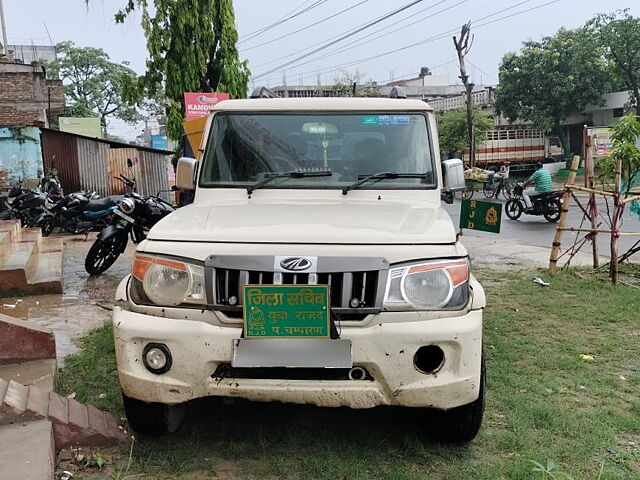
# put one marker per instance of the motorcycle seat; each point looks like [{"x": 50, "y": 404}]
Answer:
[{"x": 103, "y": 203}]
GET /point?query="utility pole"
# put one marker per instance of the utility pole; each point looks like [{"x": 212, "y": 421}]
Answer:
[
  {"x": 462, "y": 47},
  {"x": 3, "y": 27}
]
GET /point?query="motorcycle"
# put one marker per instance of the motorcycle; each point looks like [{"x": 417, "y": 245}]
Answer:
[
  {"x": 25, "y": 205},
  {"x": 78, "y": 213},
  {"x": 133, "y": 217},
  {"x": 546, "y": 204}
]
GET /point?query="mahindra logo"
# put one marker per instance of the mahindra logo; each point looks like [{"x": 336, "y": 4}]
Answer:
[{"x": 295, "y": 264}]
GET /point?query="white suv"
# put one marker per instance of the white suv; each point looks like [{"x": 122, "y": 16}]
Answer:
[{"x": 315, "y": 265}]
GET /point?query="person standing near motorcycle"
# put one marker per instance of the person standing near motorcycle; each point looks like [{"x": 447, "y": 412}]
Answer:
[{"x": 541, "y": 179}]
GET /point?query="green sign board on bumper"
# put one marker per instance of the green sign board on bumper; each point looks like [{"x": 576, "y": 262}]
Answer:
[
  {"x": 483, "y": 216},
  {"x": 286, "y": 311}
]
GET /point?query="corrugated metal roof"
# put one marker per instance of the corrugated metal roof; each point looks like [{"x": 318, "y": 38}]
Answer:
[
  {"x": 92, "y": 162},
  {"x": 61, "y": 152},
  {"x": 111, "y": 143},
  {"x": 151, "y": 175}
]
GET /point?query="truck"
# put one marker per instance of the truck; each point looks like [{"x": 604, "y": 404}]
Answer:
[{"x": 316, "y": 265}]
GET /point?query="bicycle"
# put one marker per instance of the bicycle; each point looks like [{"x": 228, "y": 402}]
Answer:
[{"x": 499, "y": 186}]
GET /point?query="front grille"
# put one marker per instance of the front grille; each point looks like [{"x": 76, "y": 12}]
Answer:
[
  {"x": 225, "y": 370},
  {"x": 224, "y": 284}
]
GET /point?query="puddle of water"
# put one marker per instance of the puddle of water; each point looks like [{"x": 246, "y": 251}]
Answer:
[{"x": 74, "y": 313}]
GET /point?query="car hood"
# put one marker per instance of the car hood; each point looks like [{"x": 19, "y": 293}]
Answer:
[{"x": 296, "y": 222}]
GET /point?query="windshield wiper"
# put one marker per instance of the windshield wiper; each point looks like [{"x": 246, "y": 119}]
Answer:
[
  {"x": 270, "y": 177},
  {"x": 376, "y": 177}
]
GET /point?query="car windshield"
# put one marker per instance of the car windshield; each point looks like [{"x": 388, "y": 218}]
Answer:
[{"x": 243, "y": 149}]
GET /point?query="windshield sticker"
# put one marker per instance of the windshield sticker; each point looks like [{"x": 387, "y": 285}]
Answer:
[
  {"x": 370, "y": 120},
  {"x": 393, "y": 120},
  {"x": 385, "y": 120}
]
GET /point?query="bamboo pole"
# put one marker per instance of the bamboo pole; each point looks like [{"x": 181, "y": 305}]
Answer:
[
  {"x": 593, "y": 213},
  {"x": 617, "y": 215},
  {"x": 555, "y": 249},
  {"x": 590, "y": 190},
  {"x": 590, "y": 230},
  {"x": 630, "y": 199}
]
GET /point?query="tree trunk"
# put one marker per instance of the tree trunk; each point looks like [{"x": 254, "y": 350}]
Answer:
[
  {"x": 564, "y": 141},
  {"x": 636, "y": 95}
]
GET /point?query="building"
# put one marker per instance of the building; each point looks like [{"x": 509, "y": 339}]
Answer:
[
  {"x": 27, "y": 97},
  {"x": 32, "y": 53}
]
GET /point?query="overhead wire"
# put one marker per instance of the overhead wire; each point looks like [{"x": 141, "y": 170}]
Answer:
[
  {"x": 435, "y": 37},
  {"x": 262, "y": 30},
  {"x": 346, "y": 33},
  {"x": 311, "y": 25},
  {"x": 359, "y": 42},
  {"x": 343, "y": 37}
]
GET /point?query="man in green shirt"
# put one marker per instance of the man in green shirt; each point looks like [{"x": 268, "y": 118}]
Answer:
[{"x": 542, "y": 181}]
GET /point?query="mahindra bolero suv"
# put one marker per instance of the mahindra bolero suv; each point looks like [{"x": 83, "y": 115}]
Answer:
[{"x": 315, "y": 265}]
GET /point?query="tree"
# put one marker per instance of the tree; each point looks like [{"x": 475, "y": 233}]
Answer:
[
  {"x": 192, "y": 48},
  {"x": 550, "y": 79},
  {"x": 453, "y": 130},
  {"x": 344, "y": 86},
  {"x": 618, "y": 35},
  {"x": 95, "y": 86}
]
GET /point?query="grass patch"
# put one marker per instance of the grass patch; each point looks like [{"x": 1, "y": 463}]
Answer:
[{"x": 544, "y": 402}]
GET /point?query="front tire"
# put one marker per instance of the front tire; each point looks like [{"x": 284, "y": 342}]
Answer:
[
  {"x": 554, "y": 207},
  {"x": 103, "y": 254},
  {"x": 489, "y": 191},
  {"x": 153, "y": 419},
  {"x": 460, "y": 424},
  {"x": 513, "y": 209}
]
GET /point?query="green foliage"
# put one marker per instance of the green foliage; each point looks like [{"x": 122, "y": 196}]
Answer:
[
  {"x": 618, "y": 36},
  {"x": 624, "y": 136},
  {"x": 452, "y": 129},
  {"x": 343, "y": 84},
  {"x": 549, "y": 471},
  {"x": 551, "y": 78},
  {"x": 95, "y": 86},
  {"x": 192, "y": 48}
]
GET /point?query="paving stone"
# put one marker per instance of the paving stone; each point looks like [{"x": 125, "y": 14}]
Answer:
[
  {"x": 15, "y": 398},
  {"x": 27, "y": 451},
  {"x": 58, "y": 408}
]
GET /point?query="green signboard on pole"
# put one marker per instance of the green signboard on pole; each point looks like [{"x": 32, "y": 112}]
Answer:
[
  {"x": 286, "y": 311},
  {"x": 483, "y": 216}
]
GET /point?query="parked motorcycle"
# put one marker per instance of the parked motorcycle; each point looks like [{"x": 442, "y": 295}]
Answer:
[
  {"x": 546, "y": 204},
  {"x": 133, "y": 217},
  {"x": 25, "y": 205}
]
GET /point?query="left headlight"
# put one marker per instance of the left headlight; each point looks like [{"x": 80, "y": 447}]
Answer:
[
  {"x": 435, "y": 285},
  {"x": 169, "y": 282}
]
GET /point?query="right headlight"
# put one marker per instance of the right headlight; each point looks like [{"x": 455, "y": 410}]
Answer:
[
  {"x": 168, "y": 282},
  {"x": 433, "y": 285}
]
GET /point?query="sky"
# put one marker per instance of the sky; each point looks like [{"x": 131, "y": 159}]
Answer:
[{"x": 428, "y": 23}]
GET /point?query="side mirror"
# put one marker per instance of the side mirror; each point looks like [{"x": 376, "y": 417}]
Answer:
[
  {"x": 453, "y": 175},
  {"x": 186, "y": 173}
]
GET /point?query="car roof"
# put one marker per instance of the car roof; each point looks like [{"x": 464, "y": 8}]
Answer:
[{"x": 328, "y": 104}]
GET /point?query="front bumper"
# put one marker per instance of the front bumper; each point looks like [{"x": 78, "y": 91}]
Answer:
[{"x": 385, "y": 349}]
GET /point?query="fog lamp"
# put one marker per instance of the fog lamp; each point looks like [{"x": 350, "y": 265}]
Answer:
[{"x": 157, "y": 358}]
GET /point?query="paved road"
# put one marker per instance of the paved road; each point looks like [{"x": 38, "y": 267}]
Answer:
[{"x": 534, "y": 230}]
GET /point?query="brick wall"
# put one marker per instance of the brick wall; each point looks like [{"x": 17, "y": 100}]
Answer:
[{"x": 26, "y": 95}]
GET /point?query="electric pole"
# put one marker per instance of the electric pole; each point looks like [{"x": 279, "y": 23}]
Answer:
[{"x": 3, "y": 27}]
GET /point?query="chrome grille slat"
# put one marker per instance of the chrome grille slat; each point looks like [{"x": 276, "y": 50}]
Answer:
[{"x": 225, "y": 280}]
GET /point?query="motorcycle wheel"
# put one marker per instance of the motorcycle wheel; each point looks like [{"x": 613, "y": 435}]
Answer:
[
  {"x": 7, "y": 215},
  {"x": 489, "y": 191},
  {"x": 513, "y": 209},
  {"x": 553, "y": 208},
  {"x": 48, "y": 226},
  {"x": 103, "y": 254}
]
